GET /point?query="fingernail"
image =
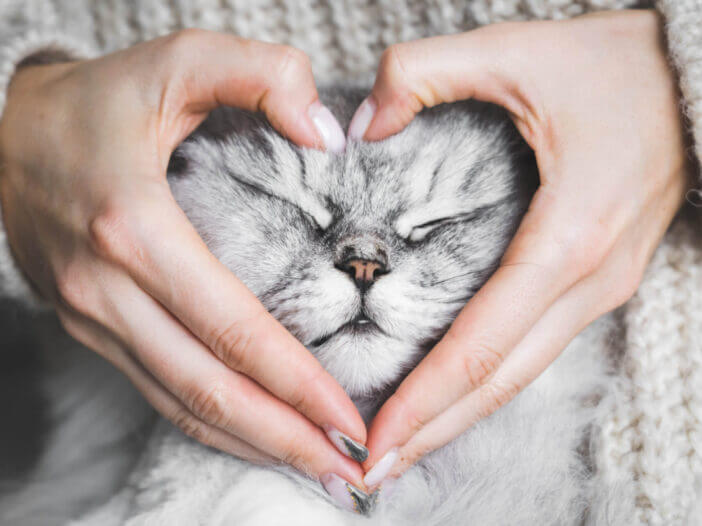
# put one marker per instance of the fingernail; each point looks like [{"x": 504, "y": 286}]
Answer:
[
  {"x": 362, "y": 119},
  {"x": 381, "y": 469},
  {"x": 347, "y": 495},
  {"x": 328, "y": 127},
  {"x": 347, "y": 445}
]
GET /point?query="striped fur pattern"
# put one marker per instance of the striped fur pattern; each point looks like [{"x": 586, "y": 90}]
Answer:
[{"x": 435, "y": 207}]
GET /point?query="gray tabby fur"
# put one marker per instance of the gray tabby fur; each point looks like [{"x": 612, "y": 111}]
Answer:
[{"x": 282, "y": 218}]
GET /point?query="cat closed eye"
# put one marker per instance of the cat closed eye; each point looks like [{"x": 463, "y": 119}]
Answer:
[
  {"x": 315, "y": 213},
  {"x": 420, "y": 232}
]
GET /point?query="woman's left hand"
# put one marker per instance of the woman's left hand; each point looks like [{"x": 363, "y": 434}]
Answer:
[{"x": 597, "y": 101}]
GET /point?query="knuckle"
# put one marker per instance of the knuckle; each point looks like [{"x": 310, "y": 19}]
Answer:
[
  {"x": 301, "y": 397},
  {"x": 183, "y": 40},
  {"x": 392, "y": 64},
  {"x": 109, "y": 231},
  {"x": 234, "y": 345},
  {"x": 413, "y": 455},
  {"x": 494, "y": 395},
  {"x": 597, "y": 245},
  {"x": 294, "y": 458},
  {"x": 192, "y": 427},
  {"x": 210, "y": 405},
  {"x": 408, "y": 93},
  {"x": 624, "y": 291},
  {"x": 294, "y": 454},
  {"x": 627, "y": 284},
  {"x": 291, "y": 64},
  {"x": 583, "y": 250},
  {"x": 480, "y": 362},
  {"x": 397, "y": 404},
  {"x": 72, "y": 288}
]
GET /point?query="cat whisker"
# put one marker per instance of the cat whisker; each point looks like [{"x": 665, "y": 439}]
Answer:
[
  {"x": 447, "y": 301},
  {"x": 516, "y": 156},
  {"x": 473, "y": 273}
]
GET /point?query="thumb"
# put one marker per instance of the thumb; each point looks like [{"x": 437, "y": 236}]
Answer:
[
  {"x": 479, "y": 64},
  {"x": 209, "y": 69}
]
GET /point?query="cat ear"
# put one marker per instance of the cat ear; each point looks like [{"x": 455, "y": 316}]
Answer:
[{"x": 220, "y": 125}]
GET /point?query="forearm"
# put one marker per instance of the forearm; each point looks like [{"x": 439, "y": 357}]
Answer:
[
  {"x": 30, "y": 33},
  {"x": 27, "y": 34}
]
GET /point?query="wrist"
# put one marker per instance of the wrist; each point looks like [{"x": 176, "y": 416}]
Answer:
[
  {"x": 29, "y": 78},
  {"x": 35, "y": 48}
]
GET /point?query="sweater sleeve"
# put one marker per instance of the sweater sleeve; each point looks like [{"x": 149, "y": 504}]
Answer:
[
  {"x": 29, "y": 34},
  {"x": 684, "y": 34}
]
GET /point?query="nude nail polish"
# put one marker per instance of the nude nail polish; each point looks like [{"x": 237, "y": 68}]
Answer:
[
  {"x": 346, "y": 444},
  {"x": 346, "y": 495},
  {"x": 362, "y": 119},
  {"x": 328, "y": 127},
  {"x": 381, "y": 469}
]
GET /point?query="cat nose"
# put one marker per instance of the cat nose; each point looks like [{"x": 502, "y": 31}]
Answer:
[{"x": 364, "y": 272}]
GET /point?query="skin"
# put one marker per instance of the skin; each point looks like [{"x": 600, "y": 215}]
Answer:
[
  {"x": 596, "y": 100},
  {"x": 92, "y": 223}
]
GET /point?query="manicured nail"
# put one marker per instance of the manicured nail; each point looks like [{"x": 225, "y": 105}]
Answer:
[
  {"x": 328, "y": 127},
  {"x": 381, "y": 469},
  {"x": 347, "y": 495},
  {"x": 362, "y": 119},
  {"x": 347, "y": 445}
]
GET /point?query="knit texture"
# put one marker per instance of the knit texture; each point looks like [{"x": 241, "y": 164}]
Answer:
[
  {"x": 684, "y": 32},
  {"x": 652, "y": 434}
]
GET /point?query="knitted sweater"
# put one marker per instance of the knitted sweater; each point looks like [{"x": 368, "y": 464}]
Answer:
[{"x": 653, "y": 435}]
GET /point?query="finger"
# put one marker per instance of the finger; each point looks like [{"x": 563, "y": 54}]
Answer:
[
  {"x": 208, "y": 389},
  {"x": 217, "y": 395},
  {"x": 211, "y": 69},
  {"x": 543, "y": 261},
  {"x": 615, "y": 281},
  {"x": 96, "y": 338},
  {"x": 167, "y": 258},
  {"x": 423, "y": 73},
  {"x": 213, "y": 393},
  {"x": 544, "y": 342}
]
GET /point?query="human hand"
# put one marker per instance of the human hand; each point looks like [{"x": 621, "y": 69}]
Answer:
[
  {"x": 92, "y": 223},
  {"x": 596, "y": 100}
]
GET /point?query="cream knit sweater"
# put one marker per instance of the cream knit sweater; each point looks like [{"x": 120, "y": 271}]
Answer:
[{"x": 654, "y": 432}]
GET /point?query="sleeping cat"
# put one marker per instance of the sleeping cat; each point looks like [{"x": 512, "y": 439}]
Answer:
[{"x": 431, "y": 209}]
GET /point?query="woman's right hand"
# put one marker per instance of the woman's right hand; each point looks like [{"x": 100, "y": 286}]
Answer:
[{"x": 93, "y": 225}]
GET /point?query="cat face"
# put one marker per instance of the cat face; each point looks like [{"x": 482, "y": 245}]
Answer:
[{"x": 366, "y": 256}]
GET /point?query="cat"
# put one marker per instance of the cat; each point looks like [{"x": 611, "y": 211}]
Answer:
[{"x": 432, "y": 209}]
